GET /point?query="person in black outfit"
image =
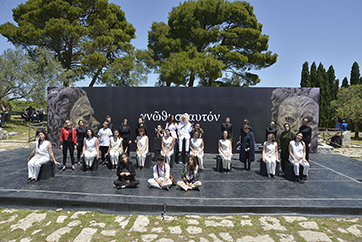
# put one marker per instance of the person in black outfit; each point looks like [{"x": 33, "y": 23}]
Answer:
[
  {"x": 125, "y": 133},
  {"x": 140, "y": 125},
  {"x": 247, "y": 147},
  {"x": 68, "y": 141},
  {"x": 307, "y": 136},
  {"x": 126, "y": 174},
  {"x": 227, "y": 126},
  {"x": 109, "y": 120},
  {"x": 81, "y": 131},
  {"x": 271, "y": 130}
]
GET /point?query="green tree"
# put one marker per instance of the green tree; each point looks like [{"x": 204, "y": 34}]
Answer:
[
  {"x": 313, "y": 75},
  {"x": 355, "y": 75},
  {"x": 345, "y": 82},
  {"x": 205, "y": 39},
  {"x": 88, "y": 37},
  {"x": 22, "y": 77},
  {"x": 333, "y": 82},
  {"x": 349, "y": 105},
  {"x": 305, "y": 79}
]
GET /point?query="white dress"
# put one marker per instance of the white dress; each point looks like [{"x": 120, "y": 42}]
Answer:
[
  {"x": 298, "y": 150},
  {"x": 167, "y": 142},
  {"x": 196, "y": 145},
  {"x": 90, "y": 150},
  {"x": 115, "y": 149},
  {"x": 41, "y": 157},
  {"x": 173, "y": 128},
  {"x": 142, "y": 142},
  {"x": 225, "y": 145},
  {"x": 270, "y": 157}
]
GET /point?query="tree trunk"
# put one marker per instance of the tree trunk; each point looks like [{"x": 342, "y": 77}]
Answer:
[
  {"x": 356, "y": 129},
  {"x": 91, "y": 84},
  {"x": 192, "y": 80}
]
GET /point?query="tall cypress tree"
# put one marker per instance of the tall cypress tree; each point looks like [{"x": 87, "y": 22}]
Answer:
[
  {"x": 345, "y": 82},
  {"x": 355, "y": 75},
  {"x": 322, "y": 83},
  {"x": 305, "y": 78},
  {"x": 313, "y": 75},
  {"x": 333, "y": 82}
]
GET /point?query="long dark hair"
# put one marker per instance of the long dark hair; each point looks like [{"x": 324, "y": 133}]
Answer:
[
  {"x": 169, "y": 119},
  {"x": 46, "y": 136},
  {"x": 86, "y": 134}
]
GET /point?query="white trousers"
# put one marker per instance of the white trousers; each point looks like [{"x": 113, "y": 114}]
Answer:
[
  {"x": 141, "y": 158},
  {"x": 271, "y": 164},
  {"x": 34, "y": 165},
  {"x": 183, "y": 185},
  {"x": 187, "y": 145},
  {"x": 226, "y": 163},
  {"x": 89, "y": 156},
  {"x": 168, "y": 156},
  {"x": 153, "y": 183},
  {"x": 300, "y": 163},
  {"x": 200, "y": 159},
  {"x": 114, "y": 155}
]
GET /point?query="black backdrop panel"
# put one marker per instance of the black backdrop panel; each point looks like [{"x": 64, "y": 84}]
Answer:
[{"x": 208, "y": 106}]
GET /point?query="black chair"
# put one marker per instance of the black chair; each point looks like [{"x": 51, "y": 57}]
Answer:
[
  {"x": 219, "y": 165},
  {"x": 148, "y": 161},
  {"x": 289, "y": 171},
  {"x": 263, "y": 168},
  {"x": 47, "y": 170}
]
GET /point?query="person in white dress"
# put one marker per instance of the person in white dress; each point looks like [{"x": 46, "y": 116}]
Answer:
[
  {"x": 297, "y": 154},
  {"x": 142, "y": 148},
  {"x": 172, "y": 126},
  {"x": 167, "y": 146},
  {"x": 184, "y": 128},
  {"x": 115, "y": 148},
  {"x": 225, "y": 151},
  {"x": 40, "y": 155},
  {"x": 90, "y": 149},
  {"x": 270, "y": 155},
  {"x": 161, "y": 175},
  {"x": 197, "y": 149}
]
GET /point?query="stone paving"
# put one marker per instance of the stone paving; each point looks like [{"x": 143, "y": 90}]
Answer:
[{"x": 34, "y": 225}]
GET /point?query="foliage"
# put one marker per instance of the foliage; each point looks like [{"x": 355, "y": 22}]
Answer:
[
  {"x": 205, "y": 39},
  {"x": 305, "y": 78},
  {"x": 355, "y": 75},
  {"x": 22, "y": 77},
  {"x": 345, "y": 82},
  {"x": 90, "y": 37},
  {"x": 349, "y": 105}
]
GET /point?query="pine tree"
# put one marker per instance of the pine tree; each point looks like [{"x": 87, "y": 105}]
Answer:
[
  {"x": 345, "y": 82},
  {"x": 313, "y": 75},
  {"x": 333, "y": 82},
  {"x": 355, "y": 75},
  {"x": 305, "y": 79}
]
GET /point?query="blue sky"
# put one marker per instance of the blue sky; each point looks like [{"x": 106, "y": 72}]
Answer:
[{"x": 327, "y": 31}]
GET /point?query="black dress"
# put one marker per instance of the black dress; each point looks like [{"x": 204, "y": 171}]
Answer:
[
  {"x": 125, "y": 133},
  {"x": 307, "y": 137},
  {"x": 127, "y": 181},
  {"x": 81, "y": 132}
]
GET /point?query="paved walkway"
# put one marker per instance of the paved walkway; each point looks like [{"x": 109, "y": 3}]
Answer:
[{"x": 27, "y": 225}]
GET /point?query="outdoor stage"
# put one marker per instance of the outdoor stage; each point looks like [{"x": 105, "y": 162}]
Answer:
[{"x": 333, "y": 188}]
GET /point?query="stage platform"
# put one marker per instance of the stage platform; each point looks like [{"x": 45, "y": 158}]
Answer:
[{"x": 333, "y": 188}]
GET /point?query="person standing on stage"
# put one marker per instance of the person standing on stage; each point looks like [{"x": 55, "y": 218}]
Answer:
[
  {"x": 126, "y": 174},
  {"x": 197, "y": 149},
  {"x": 81, "y": 132},
  {"x": 271, "y": 130},
  {"x": 285, "y": 137},
  {"x": 68, "y": 140},
  {"x": 90, "y": 149},
  {"x": 225, "y": 151},
  {"x": 142, "y": 148},
  {"x": 227, "y": 126},
  {"x": 167, "y": 145},
  {"x": 197, "y": 129},
  {"x": 103, "y": 138},
  {"x": 247, "y": 147},
  {"x": 297, "y": 156},
  {"x": 270, "y": 155},
  {"x": 40, "y": 155},
  {"x": 109, "y": 121},
  {"x": 125, "y": 133},
  {"x": 172, "y": 126},
  {"x": 161, "y": 175},
  {"x": 140, "y": 125},
  {"x": 307, "y": 136},
  {"x": 184, "y": 128}
]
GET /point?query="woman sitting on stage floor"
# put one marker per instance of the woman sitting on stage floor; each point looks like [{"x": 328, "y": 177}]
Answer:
[
  {"x": 197, "y": 148},
  {"x": 142, "y": 148},
  {"x": 126, "y": 174},
  {"x": 190, "y": 175},
  {"x": 115, "y": 148},
  {"x": 90, "y": 149},
  {"x": 40, "y": 155},
  {"x": 297, "y": 152},
  {"x": 168, "y": 143},
  {"x": 247, "y": 147},
  {"x": 270, "y": 155},
  {"x": 225, "y": 151}
]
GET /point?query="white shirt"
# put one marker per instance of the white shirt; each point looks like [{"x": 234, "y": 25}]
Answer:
[
  {"x": 42, "y": 149},
  {"x": 163, "y": 171},
  {"x": 90, "y": 144},
  {"x": 172, "y": 127},
  {"x": 104, "y": 135},
  {"x": 298, "y": 150},
  {"x": 270, "y": 149},
  {"x": 185, "y": 131}
]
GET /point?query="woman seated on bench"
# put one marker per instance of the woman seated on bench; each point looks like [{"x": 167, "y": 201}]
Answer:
[
  {"x": 270, "y": 155},
  {"x": 40, "y": 155},
  {"x": 126, "y": 174},
  {"x": 297, "y": 153},
  {"x": 90, "y": 149}
]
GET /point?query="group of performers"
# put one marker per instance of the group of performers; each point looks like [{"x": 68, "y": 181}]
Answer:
[{"x": 115, "y": 144}]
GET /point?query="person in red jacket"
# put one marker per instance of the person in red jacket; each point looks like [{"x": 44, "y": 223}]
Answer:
[{"x": 68, "y": 140}]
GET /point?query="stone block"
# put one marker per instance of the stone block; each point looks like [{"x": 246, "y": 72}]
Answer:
[{"x": 346, "y": 141}]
